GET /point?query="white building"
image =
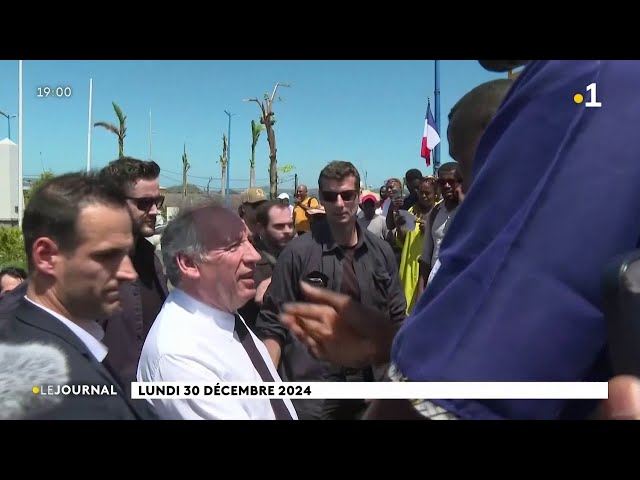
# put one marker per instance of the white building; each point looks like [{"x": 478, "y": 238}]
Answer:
[{"x": 9, "y": 190}]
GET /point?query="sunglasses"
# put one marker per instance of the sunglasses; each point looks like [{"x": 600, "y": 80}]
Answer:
[
  {"x": 347, "y": 195},
  {"x": 145, "y": 203},
  {"x": 451, "y": 181}
]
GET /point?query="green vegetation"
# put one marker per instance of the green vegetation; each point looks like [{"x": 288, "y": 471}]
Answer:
[
  {"x": 120, "y": 130},
  {"x": 12, "y": 248}
]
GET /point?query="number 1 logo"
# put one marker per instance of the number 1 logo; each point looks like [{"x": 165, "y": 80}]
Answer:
[{"x": 593, "y": 102}]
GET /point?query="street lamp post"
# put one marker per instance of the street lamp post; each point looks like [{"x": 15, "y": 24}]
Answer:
[
  {"x": 8, "y": 117},
  {"x": 227, "y": 195}
]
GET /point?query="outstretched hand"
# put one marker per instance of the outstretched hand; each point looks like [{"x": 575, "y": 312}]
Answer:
[{"x": 338, "y": 329}]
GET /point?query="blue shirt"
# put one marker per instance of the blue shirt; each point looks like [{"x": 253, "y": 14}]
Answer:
[{"x": 556, "y": 195}]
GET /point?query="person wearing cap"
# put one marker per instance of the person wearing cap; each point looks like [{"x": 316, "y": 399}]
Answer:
[
  {"x": 303, "y": 203},
  {"x": 317, "y": 218},
  {"x": 250, "y": 200},
  {"x": 366, "y": 193},
  {"x": 370, "y": 219},
  {"x": 284, "y": 198}
]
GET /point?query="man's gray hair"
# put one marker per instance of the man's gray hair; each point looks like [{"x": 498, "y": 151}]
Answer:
[{"x": 181, "y": 237}]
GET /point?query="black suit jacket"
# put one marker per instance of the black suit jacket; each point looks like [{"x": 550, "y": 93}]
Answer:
[
  {"x": 124, "y": 331},
  {"x": 30, "y": 324}
]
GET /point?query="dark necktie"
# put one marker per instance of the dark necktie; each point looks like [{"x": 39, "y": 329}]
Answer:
[{"x": 279, "y": 408}]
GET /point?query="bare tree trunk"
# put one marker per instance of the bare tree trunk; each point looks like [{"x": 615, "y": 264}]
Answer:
[
  {"x": 184, "y": 182},
  {"x": 273, "y": 162},
  {"x": 223, "y": 190},
  {"x": 185, "y": 168},
  {"x": 252, "y": 177}
]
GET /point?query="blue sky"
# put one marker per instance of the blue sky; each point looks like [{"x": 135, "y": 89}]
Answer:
[{"x": 368, "y": 112}]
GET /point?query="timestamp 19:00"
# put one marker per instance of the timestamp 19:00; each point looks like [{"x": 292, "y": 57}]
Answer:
[{"x": 60, "y": 92}]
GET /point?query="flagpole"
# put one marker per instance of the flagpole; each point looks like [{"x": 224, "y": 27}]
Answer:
[
  {"x": 20, "y": 132},
  {"x": 89, "y": 130},
  {"x": 436, "y": 158}
]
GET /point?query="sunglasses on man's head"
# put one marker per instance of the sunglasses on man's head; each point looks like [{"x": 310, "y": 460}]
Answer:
[
  {"x": 145, "y": 203},
  {"x": 347, "y": 195}
]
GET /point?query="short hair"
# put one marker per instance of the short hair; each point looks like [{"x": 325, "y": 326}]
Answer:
[
  {"x": 339, "y": 170},
  {"x": 502, "y": 65},
  {"x": 429, "y": 180},
  {"x": 453, "y": 167},
  {"x": 55, "y": 205},
  {"x": 262, "y": 213},
  {"x": 126, "y": 171},
  {"x": 248, "y": 211},
  {"x": 181, "y": 236},
  {"x": 413, "y": 174},
  {"x": 15, "y": 272},
  {"x": 479, "y": 105},
  {"x": 394, "y": 180}
]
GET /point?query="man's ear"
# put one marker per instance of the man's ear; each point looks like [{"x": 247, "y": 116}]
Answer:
[
  {"x": 188, "y": 268},
  {"x": 45, "y": 255}
]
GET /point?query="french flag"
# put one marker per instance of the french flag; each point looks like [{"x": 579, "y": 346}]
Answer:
[{"x": 430, "y": 137}]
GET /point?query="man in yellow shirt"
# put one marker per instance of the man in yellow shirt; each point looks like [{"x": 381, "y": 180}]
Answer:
[{"x": 303, "y": 203}]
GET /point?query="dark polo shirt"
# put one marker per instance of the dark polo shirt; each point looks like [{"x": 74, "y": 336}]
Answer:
[{"x": 376, "y": 274}]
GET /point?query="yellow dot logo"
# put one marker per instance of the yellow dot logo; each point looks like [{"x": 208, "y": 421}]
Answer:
[
  {"x": 35, "y": 390},
  {"x": 578, "y": 98}
]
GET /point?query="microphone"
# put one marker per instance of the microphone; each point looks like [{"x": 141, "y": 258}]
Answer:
[{"x": 23, "y": 367}]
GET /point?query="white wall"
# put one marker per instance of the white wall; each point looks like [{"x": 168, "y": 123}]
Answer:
[{"x": 8, "y": 180}]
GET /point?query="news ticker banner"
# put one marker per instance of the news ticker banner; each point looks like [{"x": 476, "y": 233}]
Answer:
[{"x": 372, "y": 390}]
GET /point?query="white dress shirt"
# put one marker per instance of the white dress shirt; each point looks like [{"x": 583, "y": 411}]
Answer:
[
  {"x": 193, "y": 342},
  {"x": 91, "y": 339}
]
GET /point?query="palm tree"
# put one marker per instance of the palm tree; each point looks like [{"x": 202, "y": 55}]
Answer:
[
  {"x": 255, "y": 136},
  {"x": 121, "y": 132}
]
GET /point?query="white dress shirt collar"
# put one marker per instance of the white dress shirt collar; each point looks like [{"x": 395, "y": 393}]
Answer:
[
  {"x": 225, "y": 320},
  {"x": 90, "y": 339}
]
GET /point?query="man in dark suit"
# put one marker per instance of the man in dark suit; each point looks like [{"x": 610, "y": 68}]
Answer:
[
  {"x": 78, "y": 235},
  {"x": 141, "y": 299}
]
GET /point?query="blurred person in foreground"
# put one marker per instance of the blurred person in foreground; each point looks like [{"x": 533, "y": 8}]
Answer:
[
  {"x": 468, "y": 120},
  {"x": 142, "y": 298},
  {"x": 498, "y": 257},
  {"x": 77, "y": 234}
]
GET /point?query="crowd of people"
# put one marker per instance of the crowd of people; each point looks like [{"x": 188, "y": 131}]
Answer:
[{"x": 466, "y": 275}]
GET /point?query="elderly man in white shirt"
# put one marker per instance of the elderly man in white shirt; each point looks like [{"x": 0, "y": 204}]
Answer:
[{"x": 198, "y": 335}]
